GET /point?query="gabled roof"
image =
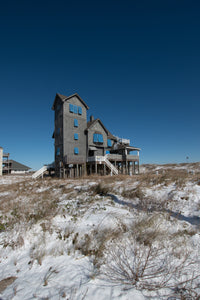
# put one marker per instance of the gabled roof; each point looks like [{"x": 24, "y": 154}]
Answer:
[
  {"x": 91, "y": 123},
  {"x": 16, "y": 166},
  {"x": 66, "y": 98}
]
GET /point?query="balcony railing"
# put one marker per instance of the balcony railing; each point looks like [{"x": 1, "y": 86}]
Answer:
[
  {"x": 119, "y": 157},
  {"x": 114, "y": 157},
  {"x": 95, "y": 158}
]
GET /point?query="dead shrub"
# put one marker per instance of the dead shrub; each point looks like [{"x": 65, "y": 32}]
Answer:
[
  {"x": 94, "y": 243},
  {"x": 134, "y": 193},
  {"x": 100, "y": 189},
  {"x": 148, "y": 266}
]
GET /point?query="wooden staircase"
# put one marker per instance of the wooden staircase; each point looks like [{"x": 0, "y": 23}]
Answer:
[{"x": 40, "y": 172}]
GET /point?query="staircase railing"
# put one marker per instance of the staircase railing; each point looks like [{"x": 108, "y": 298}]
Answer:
[
  {"x": 112, "y": 168},
  {"x": 107, "y": 162},
  {"x": 40, "y": 172}
]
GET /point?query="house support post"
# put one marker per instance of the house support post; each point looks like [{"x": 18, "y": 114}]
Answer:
[
  {"x": 84, "y": 169},
  {"x": 77, "y": 170},
  {"x": 95, "y": 167},
  {"x": 81, "y": 170}
]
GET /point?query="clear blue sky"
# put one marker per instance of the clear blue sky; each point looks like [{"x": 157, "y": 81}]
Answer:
[{"x": 135, "y": 63}]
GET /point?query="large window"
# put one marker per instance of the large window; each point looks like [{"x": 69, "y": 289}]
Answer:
[
  {"x": 109, "y": 143},
  {"x": 58, "y": 151},
  {"x": 58, "y": 131},
  {"x": 75, "y": 123},
  {"x": 76, "y": 151},
  {"x": 97, "y": 138},
  {"x": 75, "y": 109}
]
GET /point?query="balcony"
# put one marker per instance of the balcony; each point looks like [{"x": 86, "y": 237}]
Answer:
[
  {"x": 118, "y": 157},
  {"x": 113, "y": 157}
]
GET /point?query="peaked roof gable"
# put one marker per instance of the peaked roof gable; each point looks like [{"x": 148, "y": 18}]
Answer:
[
  {"x": 91, "y": 123},
  {"x": 66, "y": 98},
  {"x": 18, "y": 166}
]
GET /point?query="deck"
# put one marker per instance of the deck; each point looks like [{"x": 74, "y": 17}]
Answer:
[{"x": 114, "y": 157}]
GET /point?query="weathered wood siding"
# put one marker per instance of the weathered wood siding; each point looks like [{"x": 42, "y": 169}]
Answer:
[
  {"x": 97, "y": 128},
  {"x": 1, "y": 160},
  {"x": 58, "y": 136},
  {"x": 69, "y": 130}
]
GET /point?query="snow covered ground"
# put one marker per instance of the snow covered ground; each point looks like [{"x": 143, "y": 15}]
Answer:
[{"x": 102, "y": 238}]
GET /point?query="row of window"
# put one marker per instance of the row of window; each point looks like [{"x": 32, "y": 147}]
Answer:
[
  {"x": 58, "y": 151},
  {"x": 75, "y": 123},
  {"x": 75, "y": 109},
  {"x": 98, "y": 138},
  {"x": 76, "y": 151},
  {"x": 109, "y": 143}
]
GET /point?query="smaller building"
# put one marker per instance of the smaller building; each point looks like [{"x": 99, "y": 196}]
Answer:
[
  {"x": 17, "y": 168},
  {"x": 10, "y": 166}
]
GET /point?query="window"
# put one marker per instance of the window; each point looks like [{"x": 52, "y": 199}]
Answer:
[
  {"x": 109, "y": 143},
  {"x": 58, "y": 151},
  {"x": 76, "y": 151},
  {"x": 80, "y": 110},
  {"x": 58, "y": 107},
  {"x": 76, "y": 136},
  {"x": 71, "y": 107},
  {"x": 97, "y": 138},
  {"x": 75, "y": 123},
  {"x": 75, "y": 109},
  {"x": 58, "y": 131},
  {"x": 100, "y": 138}
]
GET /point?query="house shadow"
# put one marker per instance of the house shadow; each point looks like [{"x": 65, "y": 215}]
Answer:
[{"x": 193, "y": 220}]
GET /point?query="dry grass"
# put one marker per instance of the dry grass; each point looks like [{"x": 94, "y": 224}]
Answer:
[
  {"x": 133, "y": 193},
  {"x": 100, "y": 189},
  {"x": 31, "y": 201},
  {"x": 149, "y": 267},
  {"x": 147, "y": 258},
  {"x": 94, "y": 243},
  {"x": 28, "y": 202}
]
